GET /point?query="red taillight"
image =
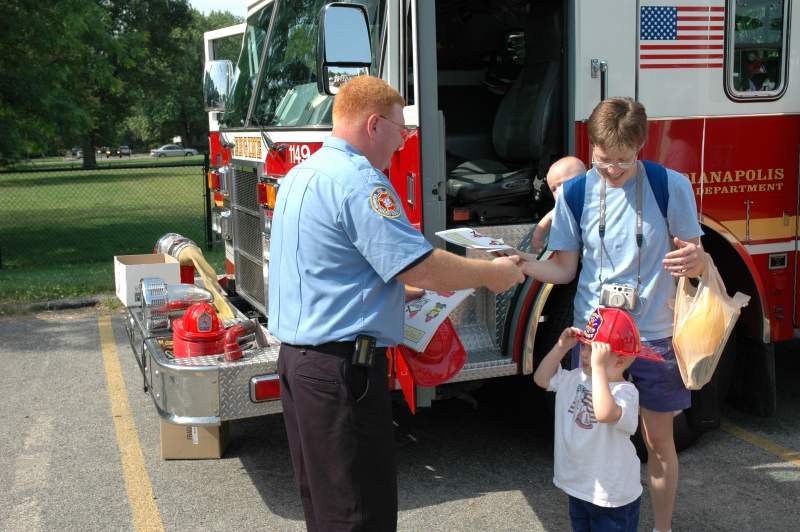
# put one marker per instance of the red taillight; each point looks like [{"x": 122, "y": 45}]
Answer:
[
  {"x": 266, "y": 194},
  {"x": 265, "y": 388},
  {"x": 261, "y": 193},
  {"x": 219, "y": 200},
  {"x": 213, "y": 180}
]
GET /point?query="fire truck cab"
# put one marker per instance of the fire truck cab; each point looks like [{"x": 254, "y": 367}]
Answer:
[{"x": 496, "y": 90}]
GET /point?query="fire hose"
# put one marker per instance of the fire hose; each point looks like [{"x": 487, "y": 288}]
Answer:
[{"x": 186, "y": 252}]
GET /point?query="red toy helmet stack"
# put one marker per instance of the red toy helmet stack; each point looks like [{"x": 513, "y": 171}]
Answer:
[{"x": 198, "y": 332}]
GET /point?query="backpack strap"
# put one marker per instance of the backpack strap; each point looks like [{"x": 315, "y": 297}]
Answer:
[
  {"x": 574, "y": 192},
  {"x": 657, "y": 176}
]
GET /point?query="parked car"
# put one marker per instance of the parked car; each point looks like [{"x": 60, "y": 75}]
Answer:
[
  {"x": 75, "y": 151},
  {"x": 172, "y": 150},
  {"x": 124, "y": 150}
]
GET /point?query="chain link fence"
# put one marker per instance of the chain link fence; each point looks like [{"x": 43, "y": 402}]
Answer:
[{"x": 67, "y": 219}]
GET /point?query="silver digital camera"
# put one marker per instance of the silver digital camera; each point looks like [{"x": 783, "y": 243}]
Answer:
[{"x": 618, "y": 296}]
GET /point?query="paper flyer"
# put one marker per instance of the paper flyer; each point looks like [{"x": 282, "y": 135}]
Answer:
[
  {"x": 472, "y": 239},
  {"x": 425, "y": 314}
]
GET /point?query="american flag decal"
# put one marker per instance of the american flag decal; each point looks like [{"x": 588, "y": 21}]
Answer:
[{"x": 681, "y": 36}]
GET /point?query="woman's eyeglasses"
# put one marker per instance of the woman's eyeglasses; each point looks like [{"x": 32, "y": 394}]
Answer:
[{"x": 605, "y": 166}]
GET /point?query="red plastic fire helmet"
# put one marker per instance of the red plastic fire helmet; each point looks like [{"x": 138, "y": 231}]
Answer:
[
  {"x": 198, "y": 332},
  {"x": 616, "y": 327},
  {"x": 441, "y": 360}
]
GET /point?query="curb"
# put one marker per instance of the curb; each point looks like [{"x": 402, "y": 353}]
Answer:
[
  {"x": 65, "y": 304},
  {"x": 54, "y": 304}
]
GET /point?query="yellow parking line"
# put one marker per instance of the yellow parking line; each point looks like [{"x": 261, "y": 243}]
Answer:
[
  {"x": 137, "y": 482},
  {"x": 793, "y": 457}
]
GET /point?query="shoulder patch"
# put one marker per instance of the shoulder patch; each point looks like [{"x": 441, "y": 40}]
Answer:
[{"x": 382, "y": 201}]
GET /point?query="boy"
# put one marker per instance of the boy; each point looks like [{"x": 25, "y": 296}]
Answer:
[
  {"x": 562, "y": 170},
  {"x": 596, "y": 413}
]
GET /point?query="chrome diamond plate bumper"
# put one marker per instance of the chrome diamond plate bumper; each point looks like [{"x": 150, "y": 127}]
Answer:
[{"x": 204, "y": 390}]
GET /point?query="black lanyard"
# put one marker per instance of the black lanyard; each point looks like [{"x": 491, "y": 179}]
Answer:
[{"x": 639, "y": 225}]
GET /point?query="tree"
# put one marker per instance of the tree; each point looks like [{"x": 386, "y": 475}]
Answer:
[
  {"x": 176, "y": 105},
  {"x": 75, "y": 71},
  {"x": 42, "y": 45},
  {"x": 136, "y": 47},
  {"x": 101, "y": 72}
]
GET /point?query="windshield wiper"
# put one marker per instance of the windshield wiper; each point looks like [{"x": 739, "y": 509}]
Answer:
[{"x": 271, "y": 145}]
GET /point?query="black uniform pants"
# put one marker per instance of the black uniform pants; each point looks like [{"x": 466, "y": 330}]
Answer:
[{"x": 339, "y": 425}]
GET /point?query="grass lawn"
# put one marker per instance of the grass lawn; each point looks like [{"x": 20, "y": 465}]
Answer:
[
  {"x": 103, "y": 162},
  {"x": 59, "y": 231}
]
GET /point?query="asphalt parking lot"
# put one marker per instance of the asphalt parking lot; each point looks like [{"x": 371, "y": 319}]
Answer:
[{"x": 81, "y": 446}]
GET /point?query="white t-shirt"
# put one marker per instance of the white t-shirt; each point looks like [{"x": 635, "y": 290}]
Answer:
[{"x": 595, "y": 462}]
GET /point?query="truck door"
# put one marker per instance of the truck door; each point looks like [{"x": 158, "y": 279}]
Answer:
[{"x": 603, "y": 60}]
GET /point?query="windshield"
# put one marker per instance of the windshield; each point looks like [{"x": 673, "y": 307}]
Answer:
[
  {"x": 289, "y": 95},
  {"x": 244, "y": 77}
]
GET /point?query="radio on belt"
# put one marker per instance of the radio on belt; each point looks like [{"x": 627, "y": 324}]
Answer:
[{"x": 364, "y": 351}]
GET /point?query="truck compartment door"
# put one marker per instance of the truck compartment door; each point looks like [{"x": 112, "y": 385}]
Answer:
[{"x": 603, "y": 52}]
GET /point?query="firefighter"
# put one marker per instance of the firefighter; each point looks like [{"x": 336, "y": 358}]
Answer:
[
  {"x": 341, "y": 252},
  {"x": 635, "y": 274}
]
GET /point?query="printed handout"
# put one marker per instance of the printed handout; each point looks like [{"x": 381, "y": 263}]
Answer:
[
  {"x": 472, "y": 239},
  {"x": 426, "y": 313}
]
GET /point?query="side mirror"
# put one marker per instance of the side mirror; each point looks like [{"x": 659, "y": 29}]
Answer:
[
  {"x": 217, "y": 77},
  {"x": 343, "y": 48}
]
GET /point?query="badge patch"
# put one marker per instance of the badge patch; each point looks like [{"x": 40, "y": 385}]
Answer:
[
  {"x": 384, "y": 203},
  {"x": 595, "y": 320},
  {"x": 204, "y": 322}
]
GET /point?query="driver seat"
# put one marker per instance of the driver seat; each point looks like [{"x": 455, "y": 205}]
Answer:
[{"x": 526, "y": 128}]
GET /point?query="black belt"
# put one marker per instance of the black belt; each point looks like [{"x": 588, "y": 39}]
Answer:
[{"x": 333, "y": 348}]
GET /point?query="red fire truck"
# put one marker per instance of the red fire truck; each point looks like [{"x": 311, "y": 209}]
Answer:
[{"x": 498, "y": 89}]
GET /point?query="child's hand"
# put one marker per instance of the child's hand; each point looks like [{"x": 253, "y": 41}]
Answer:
[
  {"x": 537, "y": 243},
  {"x": 600, "y": 354},
  {"x": 568, "y": 338},
  {"x": 507, "y": 253}
]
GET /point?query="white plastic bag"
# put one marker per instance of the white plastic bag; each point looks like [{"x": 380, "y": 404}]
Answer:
[{"x": 704, "y": 318}]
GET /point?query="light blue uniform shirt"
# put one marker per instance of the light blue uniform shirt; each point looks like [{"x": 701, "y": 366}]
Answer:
[
  {"x": 654, "y": 310},
  {"x": 339, "y": 237}
]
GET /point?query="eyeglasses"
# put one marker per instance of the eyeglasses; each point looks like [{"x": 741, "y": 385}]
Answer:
[
  {"x": 405, "y": 131},
  {"x": 606, "y": 166}
]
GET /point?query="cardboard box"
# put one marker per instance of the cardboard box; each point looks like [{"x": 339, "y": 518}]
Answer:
[
  {"x": 130, "y": 269},
  {"x": 191, "y": 442}
]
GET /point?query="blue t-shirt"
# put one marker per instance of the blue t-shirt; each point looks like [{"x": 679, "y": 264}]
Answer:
[
  {"x": 339, "y": 237},
  {"x": 654, "y": 310}
]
